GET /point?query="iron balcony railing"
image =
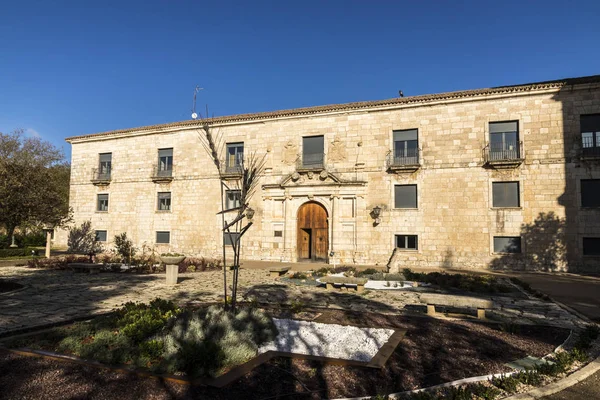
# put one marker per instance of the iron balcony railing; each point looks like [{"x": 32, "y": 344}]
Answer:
[
  {"x": 101, "y": 175},
  {"x": 507, "y": 151},
  {"x": 311, "y": 161},
  {"x": 231, "y": 169},
  {"x": 590, "y": 148},
  {"x": 407, "y": 159},
  {"x": 162, "y": 173}
]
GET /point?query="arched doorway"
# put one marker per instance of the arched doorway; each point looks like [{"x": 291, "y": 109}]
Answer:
[{"x": 313, "y": 232}]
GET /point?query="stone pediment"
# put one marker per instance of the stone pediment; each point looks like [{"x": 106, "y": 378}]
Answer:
[{"x": 310, "y": 178}]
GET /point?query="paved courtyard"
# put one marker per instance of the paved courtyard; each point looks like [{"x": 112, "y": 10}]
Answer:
[{"x": 55, "y": 296}]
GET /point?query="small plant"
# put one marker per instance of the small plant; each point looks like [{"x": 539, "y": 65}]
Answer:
[
  {"x": 507, "y": 383},
  {"x": 124, "y": 247},
  {"x": 297, "y": 306},
  {"x": 366, "y": 272},
  {"x": 171, "y": 255},
  {"x": 387, "y": 284}
]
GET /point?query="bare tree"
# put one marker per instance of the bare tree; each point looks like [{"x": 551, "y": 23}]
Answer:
[{"x": 235, "y": 220}]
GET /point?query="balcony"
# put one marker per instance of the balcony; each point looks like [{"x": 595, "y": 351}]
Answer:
[
  {"x": 590, "y": 148},
  {"x": 162, "y": 175},
  {"x": 100, "y": 177},
  {"x": 231, "y": 171},
  {"x": 406, "y": 162},
  {"x": 504, "y": 155},
  {"x": 311, "y": 162}
]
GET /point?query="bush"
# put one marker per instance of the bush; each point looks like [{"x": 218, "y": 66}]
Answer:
[
  {"x": 507, "y": 383},
  {"x": 366, "y": 272},
  {"x": 82, "y": 239},
  {"x": 5, "y": 253},
  {"x": 56, "y": 262},
  {"x": 193, "y": 264},
  {"x": 139, "y": 321},
  {"x": 206, "y": 343},
  {"x": 465, "y": 282},
  {"x": 124, "y": 247}
]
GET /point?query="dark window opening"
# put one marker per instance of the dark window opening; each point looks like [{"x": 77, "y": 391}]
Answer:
[
  {"x": 235, "y": 156},
  {"x": 407, "y": 242},
  {"x": 505, "y": 194},
  {"x": 590, "y": 134},
  {"x": 101, "y": 236},
  {"x": 590, "y": 193},
  {"x": 102, "y": 202},
  {"x": 105, "y": 166},
  {"x": 406, "y": 147},
  {"x": 278, "y": 234},
  {"x": 405, "y": 196},
  {"x": 591, "y": 246},
  {"x": 313, "y": 149},
  {"x": 504, "y": 140},
  {"x": 165, "y": 162},
  {"x": 507, "y": 244},
  {"x": 163, "y": 237},
  {"x": 164, "y": 201},
  {"x": 233, "y": 199}
]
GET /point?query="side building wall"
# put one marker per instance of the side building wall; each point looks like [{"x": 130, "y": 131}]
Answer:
[{"x": 454, "y": 219}]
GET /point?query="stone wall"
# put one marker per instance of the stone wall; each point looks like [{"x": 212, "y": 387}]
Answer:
[{"x": 455, "y": 221}]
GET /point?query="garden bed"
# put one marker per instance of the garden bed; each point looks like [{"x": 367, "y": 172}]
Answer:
[
  {"x": 432, "y": 352},
  {"x": 9, "y": 286}
]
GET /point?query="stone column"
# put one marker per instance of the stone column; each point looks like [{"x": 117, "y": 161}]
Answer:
[
  {"x": 48, "y": 242},
  {"x": 289, "y": 226}
]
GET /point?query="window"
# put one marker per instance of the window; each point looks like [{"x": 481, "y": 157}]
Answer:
[
  {"x": 163, "y": 237},
  {"x": 230, "y": 238},
  {"x": 507, "y": 244},
  {"x": 591, "y": 246},
  {"x": 101, "y": 236},
  {"x": 105, "y": 165},
  {"x": 505, "y": 194},
  {"x": 164, "y": 201},
  {"x": 406, "y": 147},
  {"x": 405, "y": 196},
  {"x": 504, "y": 140},
  {"x": 235, "y": 156},
  {"x": 590, "y": 134},
  {"x": 590, "y": 193},
  {"x": 278, "y": 233},
  {"x": 407, "y": 242},
  {"x": 102, "y": 202},
  {"x": 165, "y": 162},
  {"x": 313, "y": 151},
  {"x": 232, "y": 199}
]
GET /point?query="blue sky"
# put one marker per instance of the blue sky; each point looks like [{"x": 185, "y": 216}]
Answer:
[{"x": 77, "y": 67}]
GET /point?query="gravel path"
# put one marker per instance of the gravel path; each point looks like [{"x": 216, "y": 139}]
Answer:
[{"x": 327, "y": 340}]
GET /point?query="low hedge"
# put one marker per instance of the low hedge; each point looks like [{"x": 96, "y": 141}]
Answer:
[
  {"x": 56, "y": 262},
  {"x": 18, "y": 252}
]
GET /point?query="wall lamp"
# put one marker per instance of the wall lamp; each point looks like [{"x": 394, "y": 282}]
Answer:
[
  {"x": 250, "y": 213},
  {"x": 376, "y": 214}
]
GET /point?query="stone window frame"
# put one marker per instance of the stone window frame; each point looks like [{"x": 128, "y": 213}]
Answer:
[
  {"x": 97, "y": 208},
  {"x": 301, "y": 147},
  {"x": 491, "y": 193},
  {"x": 156, "y": 237},
  {"x": 416, "y": 196},
  {"x": 419, "y": 248},
  {"x": 507, "y": 117},
  {"x": 582, "y": 248},
  {"x": 96, "y": 235},
  {"x": 236, "y": 200},
  {"x": 158, "y": 198},
  {"x": 392, "y": 197},
  {"x": 506, "y": 234}
]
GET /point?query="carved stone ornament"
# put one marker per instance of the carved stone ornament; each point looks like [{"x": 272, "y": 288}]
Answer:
[
  {"x": 337, "y": 150},
  {"x": 323, "y": 175},
  {"x": 295, "y": 176},
  {"x": 310, "y": 174},
  {"x": 290, "y": 153}
]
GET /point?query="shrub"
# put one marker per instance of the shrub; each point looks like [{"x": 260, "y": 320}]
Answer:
[
  {"x": 366, "y": 272},
  {"x": 4, "y": 253},
  {"x": 124, "y": 247},
  {"x": 139, "y": 321},
  {"x": 56, "y": 262},
  {"x": 507, "y": 383},
  {"x": 193, "y": 264},
  {"x": 465, "y": 282},
  {"x": 586, "y": 337},
  {"x": 205, "y": 343},
  {"x": 82, "y": 239}
]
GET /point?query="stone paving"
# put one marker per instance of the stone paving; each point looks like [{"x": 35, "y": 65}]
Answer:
[{"x": 55, "y": 296}]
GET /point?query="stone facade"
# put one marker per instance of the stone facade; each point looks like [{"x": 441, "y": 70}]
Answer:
[{"x": 454, "y": 220}]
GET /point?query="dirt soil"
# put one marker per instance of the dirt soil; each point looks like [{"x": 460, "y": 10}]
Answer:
[
  {"x": 9, "y": 286},
  {"x": 433, "y": 351}
]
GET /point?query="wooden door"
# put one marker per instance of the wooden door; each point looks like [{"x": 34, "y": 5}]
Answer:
[
  {"x": 304, "y": 243},
  {"x": 313, "y": 232}
]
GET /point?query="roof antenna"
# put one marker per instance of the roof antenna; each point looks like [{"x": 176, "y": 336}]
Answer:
[
  {"x": 194, "y": 115},
  {"x": 400, "y": 93}
]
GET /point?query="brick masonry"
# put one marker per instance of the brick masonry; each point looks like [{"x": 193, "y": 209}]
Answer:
[{"x": 454, "y": 219}]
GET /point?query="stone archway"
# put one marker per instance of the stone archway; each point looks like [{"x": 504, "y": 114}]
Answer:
[{"x": 312, "y": 232}]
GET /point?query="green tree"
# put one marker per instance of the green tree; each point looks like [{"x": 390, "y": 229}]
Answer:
[{"x": 34, "y": 183}]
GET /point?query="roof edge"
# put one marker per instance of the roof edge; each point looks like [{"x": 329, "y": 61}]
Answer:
[{"x": 354, "y": 106}]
